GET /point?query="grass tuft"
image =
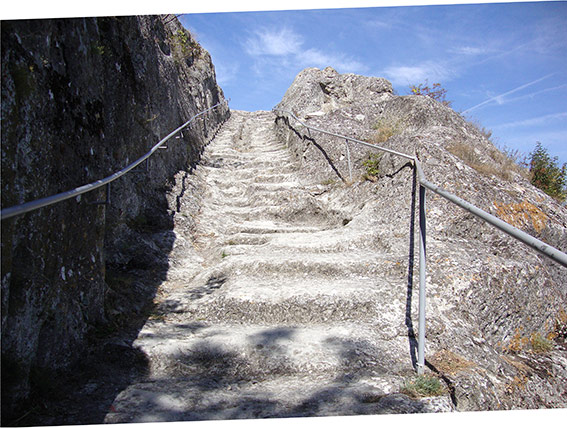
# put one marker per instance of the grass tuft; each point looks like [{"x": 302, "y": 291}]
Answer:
[{"x": 423, "y": 386}]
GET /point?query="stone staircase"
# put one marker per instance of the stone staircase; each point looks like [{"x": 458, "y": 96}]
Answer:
[{"x": 295, "y": 310}]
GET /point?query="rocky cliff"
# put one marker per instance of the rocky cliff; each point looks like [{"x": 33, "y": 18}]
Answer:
[
  {"x": 81, "y": 99},
  {"x": 496, "y": 309}
]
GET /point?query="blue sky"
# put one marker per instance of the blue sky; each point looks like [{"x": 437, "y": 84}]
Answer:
[{"x": 503, "y": 65}]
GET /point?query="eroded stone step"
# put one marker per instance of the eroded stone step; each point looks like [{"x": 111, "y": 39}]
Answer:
[
  {"x": 260, "y": 351},
  {"x": 334, "y": 239},
  {"x": 226, "y": 397},
  {"x": 288, "y": 262}
]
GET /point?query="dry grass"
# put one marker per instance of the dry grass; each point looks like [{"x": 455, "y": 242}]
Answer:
[
  {"x": 503, "y": 165},
  {"x": 386, "y": 128},
  {"x": 448, "y": 362}
]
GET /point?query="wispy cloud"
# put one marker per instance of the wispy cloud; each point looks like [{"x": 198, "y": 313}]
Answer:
[
  {"x": 226, "y": 72},
  {"x": 533, "y": 94},
  {"x": 273, "y": 42},
  {"x": 286, "y": 49},
  {"x": 429, "y": 70},
  {"x": 535, "y": 121},
  {"x": 500, "y": 99},
  {"x": 316, "y": 58},
  {"x": 471, "y": 50}
]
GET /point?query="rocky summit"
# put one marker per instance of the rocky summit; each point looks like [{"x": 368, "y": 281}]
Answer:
[{"x": 284, "y": 278}]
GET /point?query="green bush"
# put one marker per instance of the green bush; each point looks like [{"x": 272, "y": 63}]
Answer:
[{"x": 546, "y": 173}]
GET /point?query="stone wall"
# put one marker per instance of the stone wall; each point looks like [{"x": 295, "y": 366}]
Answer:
[{"x": 81, "y": 99}]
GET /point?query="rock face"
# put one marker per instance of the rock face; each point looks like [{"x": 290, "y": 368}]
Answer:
[
  {"x": 81, "y": 99},
  {"x": 490, "y": 299}
]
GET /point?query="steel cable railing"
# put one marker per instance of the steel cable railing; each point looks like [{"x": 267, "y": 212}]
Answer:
[
  {"x": 50, "y": 200},
  {"x": 549, "y": 251}
]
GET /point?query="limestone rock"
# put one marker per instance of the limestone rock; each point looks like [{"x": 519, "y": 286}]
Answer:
[
  {"x": 488, "y": 295},
  {"x": 81, "y": 99}
]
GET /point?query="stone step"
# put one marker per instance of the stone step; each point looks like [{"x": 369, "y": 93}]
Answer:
[
  {"x": 259, "y": 177},
  {"x": 232, "y": 188},
  {"x": 334, "y": 239},
  {"x": 362, "y": 264},
  {"x": 258, "y": 351},
  {"x": 299, "y": 300},
  {"x": 228, "y": 397}
]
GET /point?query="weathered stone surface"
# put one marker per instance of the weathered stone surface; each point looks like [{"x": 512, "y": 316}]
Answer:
[
  {"x": 291, "y": 291},
  {"x": 81, "y": 99},
  {"x": 486, "y": 292}
]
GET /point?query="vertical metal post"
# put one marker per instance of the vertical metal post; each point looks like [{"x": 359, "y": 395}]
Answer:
[
  {"x": 348, "y": 159},
  {"x": 107, "y": 200},
  {"x": 422, "y": 271}
]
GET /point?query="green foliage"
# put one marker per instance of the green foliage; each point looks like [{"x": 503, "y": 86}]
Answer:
[
  {"x": 372, "y": 164},
  {"x": 437, "y": 92},
  {"x": 546, "y": 173},
  {"x": 186, "y": 43},
  {"x": 423, "y": 386},
  {"x": 540, "y": 344},
  {"x": 98, "y": 49}
]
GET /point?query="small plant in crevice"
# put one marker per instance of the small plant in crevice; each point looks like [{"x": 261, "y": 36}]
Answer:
[
  {"x": 187, "y": 45},
  {"x": 540, "y": 344},
  {"x": 560, "y": 328},
  {"x": 423, "y": 386},
  {"x": 372, "y": 165},
  {"x": 536, "y": 343}
]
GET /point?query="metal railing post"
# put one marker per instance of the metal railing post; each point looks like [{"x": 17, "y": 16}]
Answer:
[
  {"x": 545, "y": 249},
  {"x": 348, "y": 159},
  {"x": 422, "y": 273}
]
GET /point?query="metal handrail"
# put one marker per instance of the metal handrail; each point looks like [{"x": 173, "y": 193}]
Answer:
[
  {"x": 547, "y": 250},
  {"x": 39, "y": 203}
]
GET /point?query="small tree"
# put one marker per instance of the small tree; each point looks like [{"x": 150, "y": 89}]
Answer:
[
  {"x": 437, "y": 92},
  {"x": 546, "y": 173}
]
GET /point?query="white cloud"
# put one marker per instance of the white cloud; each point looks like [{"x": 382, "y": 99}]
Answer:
[
  {"x": 316, "y": 58},
  {"x": 226, "y": 72},
  {"x": 429, "y": 70},
  {"x": 273, "y": 42},
  {"x": 283, "y": 48}
]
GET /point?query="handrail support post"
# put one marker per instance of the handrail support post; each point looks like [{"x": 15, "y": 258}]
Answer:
[
  {"x": 107, "y": 199},
  {"x": 422, "y": 282},
  {"x": 348, "y": 160}
]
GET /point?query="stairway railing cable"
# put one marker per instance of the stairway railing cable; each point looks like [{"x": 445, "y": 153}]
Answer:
[{"x": 545, "y": 249}]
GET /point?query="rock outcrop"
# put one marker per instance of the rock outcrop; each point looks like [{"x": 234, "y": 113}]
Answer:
[
  {"x": 81, "y": 99},
  {"x": 491, "y": 300}
]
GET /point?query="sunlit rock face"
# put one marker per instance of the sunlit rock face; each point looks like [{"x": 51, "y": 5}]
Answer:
[
  {"x": 81, "y": 99},
  {"x": 490, "y": 298}
]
